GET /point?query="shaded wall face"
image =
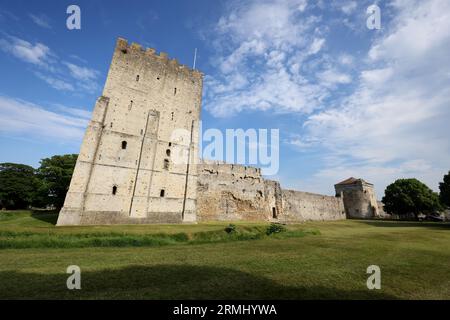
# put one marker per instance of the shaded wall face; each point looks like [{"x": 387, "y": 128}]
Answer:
[{"x": 359, "y": 201}]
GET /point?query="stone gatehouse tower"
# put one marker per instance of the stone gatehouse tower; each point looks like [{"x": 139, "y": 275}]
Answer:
[
  {"x": 359, "y": 198},
  {"x": 124, "y": 172}
]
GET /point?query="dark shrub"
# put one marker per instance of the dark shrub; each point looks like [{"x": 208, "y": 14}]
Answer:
[
  {"x": 230, "y": 228},
  {"x": 275, "y": 228}
]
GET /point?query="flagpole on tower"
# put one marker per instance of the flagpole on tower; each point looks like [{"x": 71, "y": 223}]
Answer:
[{"x": 195, "y": 57}]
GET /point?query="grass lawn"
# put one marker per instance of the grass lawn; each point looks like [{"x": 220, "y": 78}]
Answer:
[{"x": 314, "y": 260}]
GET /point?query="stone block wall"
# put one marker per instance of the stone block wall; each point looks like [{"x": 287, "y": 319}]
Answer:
[
  {"x": 228, "y": 192},
  {"x": 125, "y": 171},
  {"x": 234, "y": 192},
  {"x": 305, "y": 206}
]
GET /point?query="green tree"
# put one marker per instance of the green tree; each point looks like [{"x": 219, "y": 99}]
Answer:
[
  {"x": 444, "y": 188},
  {"x": 18, "y": 185},
  {"x": 55, "y": 174},
  {"x": 410, "y": 196}
]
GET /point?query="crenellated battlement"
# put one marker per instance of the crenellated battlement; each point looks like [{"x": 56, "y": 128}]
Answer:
[
  {"x": 123, "y": 45},
  {"x": 220, "y": 168}
]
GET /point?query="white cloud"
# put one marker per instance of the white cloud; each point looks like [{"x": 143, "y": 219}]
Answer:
[
  {"x": 346, "y": 59},
  {"x": 41, "y": 20},
  {"x": 60, "y": 75},
  {"x": 331, "y": 77},
  {"x": 376, "y": 76},
  {"x": 87, "y": 77},
  {"x": 316, "y": 45},
  {"x": 349, "y": 7},
  {"x": 261, "y": 48},
  {"x": 395, "y": 124},
  {"x": 55, "y": 83},
  {"x": 82, "y": 73},
  {"x": 23, "y": 118},
  {"x": 77, "y": 112},
  {"x": 37, "y": 53},
  {"x": 302, "y": 5}
]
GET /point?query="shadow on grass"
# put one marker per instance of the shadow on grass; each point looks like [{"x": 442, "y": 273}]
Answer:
[
  {"x": 400, "y": 224},
  {"x": 167, "y": 282},
  {"x": 50, "y": 217}
]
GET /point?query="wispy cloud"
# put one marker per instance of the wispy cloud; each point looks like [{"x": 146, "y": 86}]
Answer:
[
  {"x": 59, "y": 74},
  {"x": 82, "y": 73},
  {"x": 5, "y": 14},
  {"x": 332, "y": 77},
  {"x": 25, "y": 119},
  {"x": 77, "y": 112},
  {"x": 349, "y": 7},
  {"x": 37, "y": 53},
  {"x": 146, "y": 19},
  {"x": 87, "y": 77},
  {"x": 41, "y": 20},
  {"x": 55, "y": 83}
]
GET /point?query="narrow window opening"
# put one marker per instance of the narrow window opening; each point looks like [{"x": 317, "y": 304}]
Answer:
[
  {"x": 124, "y": 145},
  {"x": 174, "y": 91},
  {"x": 110, "y": 125},
  {"x": 168, "y": 152},
  {"x": 157, "y": 78},
  {"x": 124, "y": 51},
  {"x": 166, "y": 164},
  {"x": 137, "y": 78},
  {"x": 114, "y": 190},
  {"x": 162, "y": 192},
  {"x": 274, "y": 212},
  {"x": 170, "y": 144},
  {"x": 172, "y": 115},
  {"x": 142, "y": 131}
]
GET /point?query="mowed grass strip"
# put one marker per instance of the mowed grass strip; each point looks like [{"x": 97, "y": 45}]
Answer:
[{"x": 12, "y": 238}]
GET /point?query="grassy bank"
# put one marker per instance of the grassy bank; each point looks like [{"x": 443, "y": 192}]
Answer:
[
  {"x": 24, "y": 229},
  {"x": 315, "y": 260}
]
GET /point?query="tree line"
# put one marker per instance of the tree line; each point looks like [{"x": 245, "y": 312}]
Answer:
[{"x": 22, "y": 186}]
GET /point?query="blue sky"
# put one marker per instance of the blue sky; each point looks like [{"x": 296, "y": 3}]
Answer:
[{"x": 348, "y": 101}]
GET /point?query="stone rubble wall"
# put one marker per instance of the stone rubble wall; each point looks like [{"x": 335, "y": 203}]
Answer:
[
  {"x": 305, "y": 206},
  {"x": 234, "y": 192}
]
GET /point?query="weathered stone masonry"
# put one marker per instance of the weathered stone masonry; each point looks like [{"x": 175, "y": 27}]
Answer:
[
  {"x": 230, "y": 192},
  {"x": 125, "y": 173}
]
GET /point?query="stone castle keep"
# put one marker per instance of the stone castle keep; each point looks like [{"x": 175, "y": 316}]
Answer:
[{"x": 125, "y": 175}]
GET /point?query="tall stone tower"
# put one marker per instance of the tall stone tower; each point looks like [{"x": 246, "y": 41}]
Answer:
[
  {"x": 359, "y": 198},
  {"x": 125, "y": 171}
]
